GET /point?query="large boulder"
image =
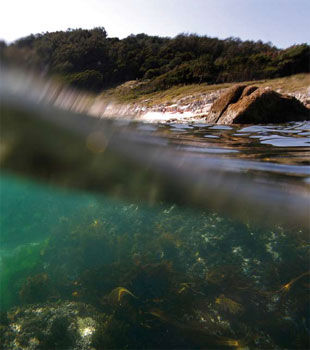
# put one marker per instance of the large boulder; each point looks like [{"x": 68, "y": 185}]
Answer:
[
  {"x": 232, "y": 95},
  {"x": 248, "y": 90},
  {"x": 257, "y": 105}
]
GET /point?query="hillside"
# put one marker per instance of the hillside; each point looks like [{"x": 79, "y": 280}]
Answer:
[{"x": 90, "y": 60}]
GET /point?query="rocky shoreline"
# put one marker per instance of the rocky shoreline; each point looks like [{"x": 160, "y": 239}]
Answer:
[{"x": 186, "y": 109}]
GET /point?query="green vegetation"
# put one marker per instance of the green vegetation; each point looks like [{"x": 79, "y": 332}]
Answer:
[
  {"x": 132, "y": 93},
  {"x": 89, "y": 59},
  {"x": 24, "y": 261}
]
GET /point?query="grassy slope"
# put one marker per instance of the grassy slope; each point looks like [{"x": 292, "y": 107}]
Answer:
[{"x": 129, "y": 92}]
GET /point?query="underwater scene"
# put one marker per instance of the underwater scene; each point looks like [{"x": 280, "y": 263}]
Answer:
[{"x": 164, "y": 236}]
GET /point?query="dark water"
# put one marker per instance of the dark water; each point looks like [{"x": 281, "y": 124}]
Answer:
[{"x": 216, "y": 257}]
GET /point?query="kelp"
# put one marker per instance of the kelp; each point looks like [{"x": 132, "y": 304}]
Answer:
[
  {"x": 228, "y": 304},
  {"x": 197, "y": 335},
  {"x": 165, "y": 277},
  {"x": 287, "y": 287},
  {"x": 16, "y": 267},
  {"x": 36, "y": 288},
  {"x": 117, "y": 294}
]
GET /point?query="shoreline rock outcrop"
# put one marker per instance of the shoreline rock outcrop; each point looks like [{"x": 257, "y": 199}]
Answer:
[
  {"x": 243, "y": 104},
  {"x": 232, "y": 95}
]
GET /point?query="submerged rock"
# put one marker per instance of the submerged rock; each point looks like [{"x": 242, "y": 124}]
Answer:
[
  {"x": 66, "y": 325},
  {"x": 250, "y": 105}
]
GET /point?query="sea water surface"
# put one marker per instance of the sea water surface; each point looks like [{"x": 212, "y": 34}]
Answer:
[{"x": 131, "y": 235}]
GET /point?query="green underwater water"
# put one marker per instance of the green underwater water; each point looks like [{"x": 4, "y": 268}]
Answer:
[{"x": 157, "y": 276}]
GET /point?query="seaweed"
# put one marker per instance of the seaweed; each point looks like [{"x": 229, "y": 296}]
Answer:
[
  {"x": 36, "y": 288},
  {"x": 228, "y": 305},
  {"x": 24, "y": 261},
  {"x": 167, "y": 277}
]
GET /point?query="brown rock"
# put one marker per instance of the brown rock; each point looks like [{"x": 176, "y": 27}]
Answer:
[
  {"x": 259, "y": 105},
  {"x": 248, "y": 90},
  {"x": 219, "y": 106}
]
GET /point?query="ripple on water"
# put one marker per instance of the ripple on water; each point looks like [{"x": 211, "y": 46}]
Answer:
[
  {"x": 253, "y": 129},
  {"x": 200, "y": 125},
  {"x": 282, "y": 141},
  {"x": 180, "y": 126},
  {"x": 211, "y": 136},
  {"x": 147, "y": 127},
  {"x": 207, "y": 149},
  {"x": 220, "y": 127}
]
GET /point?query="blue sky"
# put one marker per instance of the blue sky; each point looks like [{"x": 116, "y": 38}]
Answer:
[{"x": 283, "y": 22}]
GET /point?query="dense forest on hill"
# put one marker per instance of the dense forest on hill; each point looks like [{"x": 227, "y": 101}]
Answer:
[{"x": 89, "y": 59}]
